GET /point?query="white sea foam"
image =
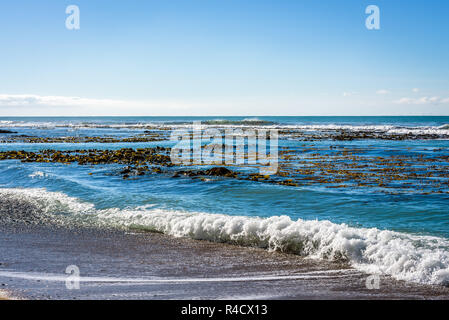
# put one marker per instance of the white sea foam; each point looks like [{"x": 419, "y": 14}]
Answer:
[
  {"x": 48, "y": 202},
  {"x": 422, "y": 259},
  {"x": 245, "y": 123},
  {"x": 37, "y": 174}
]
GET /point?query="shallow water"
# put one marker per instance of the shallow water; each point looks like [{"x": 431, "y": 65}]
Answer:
[{"x": 405, "y": 234}]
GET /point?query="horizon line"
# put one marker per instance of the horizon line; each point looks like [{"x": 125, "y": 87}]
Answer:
[{"x": 190, "y": 116}]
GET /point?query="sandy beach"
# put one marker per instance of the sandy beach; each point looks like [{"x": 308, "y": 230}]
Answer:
[{"x": 122, "y": 265}]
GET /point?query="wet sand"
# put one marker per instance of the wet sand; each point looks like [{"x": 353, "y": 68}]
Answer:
[
  {"x": 120, "y": 265},
  {"x": 4, "y": 295}
]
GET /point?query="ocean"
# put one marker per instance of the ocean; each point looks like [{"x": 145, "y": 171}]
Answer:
[{"x": 370, "y": 191}]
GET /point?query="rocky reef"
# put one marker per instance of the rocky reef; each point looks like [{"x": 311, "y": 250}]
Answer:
[{"x": 336, "y": 166}]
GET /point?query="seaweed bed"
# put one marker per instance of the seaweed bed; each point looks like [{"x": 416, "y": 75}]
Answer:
[{"x": 333, "y": 167}]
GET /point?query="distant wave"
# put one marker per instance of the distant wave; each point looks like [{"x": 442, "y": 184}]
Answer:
[
  {"x": 422, "y": 259},
  {"x": 137, "y": 125},
  {"x": 386, "y": 129},
  {"x": 247, "y": 122},
  {"x": 438, "y": 131}
]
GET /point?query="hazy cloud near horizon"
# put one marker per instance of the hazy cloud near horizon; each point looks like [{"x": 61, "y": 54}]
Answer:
[{"x": 39, "y": 105}]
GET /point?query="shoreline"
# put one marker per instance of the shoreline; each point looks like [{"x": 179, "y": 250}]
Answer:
[
  {"x": 122, "y": 265},
  {"x": 7, "y": 295},
  {"x": 4, "y": 295}
]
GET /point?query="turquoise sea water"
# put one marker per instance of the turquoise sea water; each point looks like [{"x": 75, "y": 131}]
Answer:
[{"x": 414, "y": 215}]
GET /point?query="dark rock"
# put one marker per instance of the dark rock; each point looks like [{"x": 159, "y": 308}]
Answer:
[{"x": 219, "y": 171}]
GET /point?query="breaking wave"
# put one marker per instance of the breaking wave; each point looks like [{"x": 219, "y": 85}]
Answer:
[
  {"x": 247, "y": 121},
  {"x": 442, "y": 130},
  {"x": 416, "y": 258}
]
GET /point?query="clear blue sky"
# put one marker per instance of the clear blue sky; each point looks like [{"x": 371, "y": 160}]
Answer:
[{"x": 224, "y": 57}]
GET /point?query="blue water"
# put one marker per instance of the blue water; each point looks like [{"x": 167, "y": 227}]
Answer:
[{"x": 410, "y": 213}]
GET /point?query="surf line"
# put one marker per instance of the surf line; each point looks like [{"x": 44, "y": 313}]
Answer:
[{"x": 61, "y": 278}]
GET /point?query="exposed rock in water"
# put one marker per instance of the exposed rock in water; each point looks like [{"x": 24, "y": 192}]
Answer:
[
  {"x": 126, "y": 170},
  {"x": 7, "y": 131},
  {"x": 216, "y": 171},
  {"x": 219, "y": 171}
]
